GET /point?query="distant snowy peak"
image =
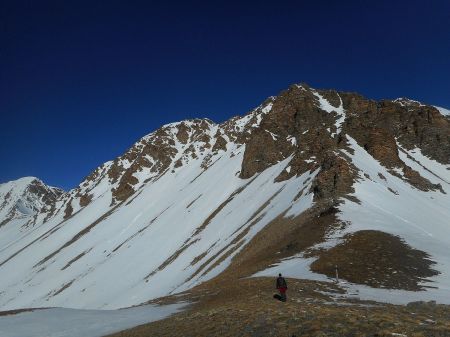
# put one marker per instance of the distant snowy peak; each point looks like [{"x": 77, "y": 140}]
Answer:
[
  {"x": 25, "y": 197},
  {"x": 443, "y": 111}
]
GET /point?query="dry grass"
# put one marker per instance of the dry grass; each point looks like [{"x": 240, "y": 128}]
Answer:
[
  {"x": 377, "y": 259},
  {"x": 246, "y": 308}
]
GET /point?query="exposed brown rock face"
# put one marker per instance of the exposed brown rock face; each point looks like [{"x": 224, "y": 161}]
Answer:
[
  {"x": 85, "y": 199},
  {"x": 125, "y": 188},
  {"x": 424, "y": 127},
  {"x": 295, "y": 126},
  {"x": 412, "y": 125},
  {"x": 46, "y": 194},
  {"x": 376, "y": 126},
  {"x": 263, "y": 151},
  {"x": 220, "y": 144},
  {"x": 267, "y": 144},
  {"x": 335, "y": 179},
  {"x": 68, "y": 210},
  {"x": 182, "y": 134},
  {"x": 380, "y": 143}
]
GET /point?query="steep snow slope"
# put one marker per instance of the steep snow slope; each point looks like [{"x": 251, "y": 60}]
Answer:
[
  {"x": 20, "y": 202},
  {"x": 155, "y": 245}
]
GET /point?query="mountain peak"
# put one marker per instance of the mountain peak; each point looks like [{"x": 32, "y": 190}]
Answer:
[
  {"x": 25, "y": 197},
  {"x": 404, "y": 101},
  {"x": 21, "y": 181}
]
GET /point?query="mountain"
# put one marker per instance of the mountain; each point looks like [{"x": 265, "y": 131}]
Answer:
[
  {"x": 309, "y": 180},
  {"x": 23, "y": 198}
]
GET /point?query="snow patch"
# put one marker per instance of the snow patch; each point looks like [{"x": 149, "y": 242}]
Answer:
[
  {"x": 326, "y": 106},
  {"x": 443, "y": 111},
  {"x": 274, "y": 136},
  {"x": 403, "y": 101},
  {"x": 267, "y": 108},
  {"x": 60, "y": 322},
  {"x": 292, "y": 140}
]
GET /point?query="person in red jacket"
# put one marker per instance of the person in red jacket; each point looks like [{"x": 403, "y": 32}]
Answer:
[{"x": 282, "y": 287}]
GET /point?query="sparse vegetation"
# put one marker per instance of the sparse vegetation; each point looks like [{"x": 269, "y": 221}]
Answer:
[
  {"x": 246, "y": 308},
  {"x": 377, "y": 259}
]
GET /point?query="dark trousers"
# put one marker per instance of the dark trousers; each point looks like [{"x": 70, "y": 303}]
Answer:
[{"x": 282, "y": 291}]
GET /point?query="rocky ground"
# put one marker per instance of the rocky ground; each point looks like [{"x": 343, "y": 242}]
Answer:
[{"x": 246, "y": 307}]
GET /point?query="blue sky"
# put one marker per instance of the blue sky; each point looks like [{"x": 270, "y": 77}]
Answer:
[{"x": 80, "y": 82}]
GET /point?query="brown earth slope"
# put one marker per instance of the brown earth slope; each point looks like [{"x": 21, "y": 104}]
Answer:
[{"x": 245, "y": 307}]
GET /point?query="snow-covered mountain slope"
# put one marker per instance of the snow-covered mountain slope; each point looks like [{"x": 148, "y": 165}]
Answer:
[
  {"x": 174, "y": 234},
  {"x": 443, "y": 111},
  {"x": 184, "y": 221},
  {"x": 25, "y": 197},
  {"x": 195, "y": 199}
]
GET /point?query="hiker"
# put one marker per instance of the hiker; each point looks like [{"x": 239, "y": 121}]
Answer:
[{"x": 282, "y": 287}]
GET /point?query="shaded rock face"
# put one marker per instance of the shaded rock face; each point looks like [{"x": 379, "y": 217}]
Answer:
[
  {"x": 413, "y": 125},
  {"x": 293, "y": 114},
  {"x": 295, "y": 127},
  {"x": 48, "y": 195},
  {"x": 335, "y": 179},
  {"x": 380, "y": 127},
  {"x": 300, "y": 127}
]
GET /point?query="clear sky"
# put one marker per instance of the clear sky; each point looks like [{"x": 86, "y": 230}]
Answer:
[{"x": 81, "y": 81}]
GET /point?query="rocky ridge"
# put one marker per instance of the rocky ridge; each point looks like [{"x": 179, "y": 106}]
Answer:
[{"x": 309, "y": 124}]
